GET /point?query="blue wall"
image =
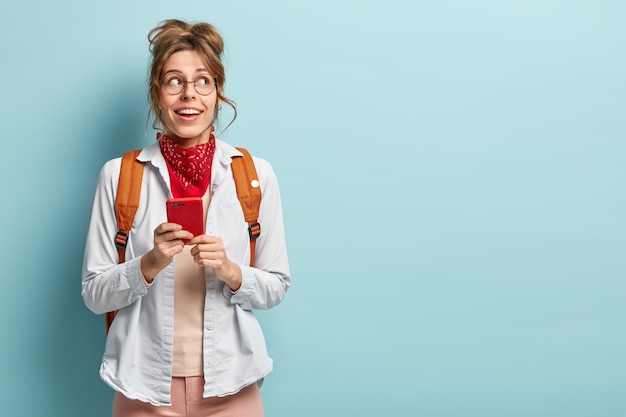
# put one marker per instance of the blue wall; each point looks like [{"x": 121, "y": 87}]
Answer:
[{"x": 454, "y": 185}]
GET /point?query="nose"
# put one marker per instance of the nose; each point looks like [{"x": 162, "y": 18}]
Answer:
[{"x": 189, "y": 90}]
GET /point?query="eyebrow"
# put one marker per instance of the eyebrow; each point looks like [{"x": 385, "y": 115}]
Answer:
[{"x": 198, "y": 70}]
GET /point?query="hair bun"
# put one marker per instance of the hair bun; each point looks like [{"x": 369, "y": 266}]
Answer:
[
  {"x": 174, "y": 28},
  {"x": 212, "y": 36}
]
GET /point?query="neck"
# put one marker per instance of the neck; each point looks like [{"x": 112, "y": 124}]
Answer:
[{"x": 205, "y": 137}]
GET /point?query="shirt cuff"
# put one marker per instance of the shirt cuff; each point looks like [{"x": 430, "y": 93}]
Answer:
[
  {"x": 247, "y": 288},
  {"x": 147, "y": 284},
  {"x": 137, "y": 281}
]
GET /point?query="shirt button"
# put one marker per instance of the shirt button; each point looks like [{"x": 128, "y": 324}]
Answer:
[
  {"x": 210, "y": 363},
  {"x": 211, "y": 231},
  {"x": 209, "y": 328},
  {"x": 211, "y": 296}
]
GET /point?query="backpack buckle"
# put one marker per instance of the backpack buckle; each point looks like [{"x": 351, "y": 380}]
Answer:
[
  {"x": 121, "y": 239},
  {"x": 254, "y": 230}
]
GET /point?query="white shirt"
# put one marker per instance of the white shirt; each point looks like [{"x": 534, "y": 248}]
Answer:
[{"x": 138, "y": 354}]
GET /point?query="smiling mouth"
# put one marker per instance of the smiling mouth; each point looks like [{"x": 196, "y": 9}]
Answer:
[{"x": 188, "y": 112}]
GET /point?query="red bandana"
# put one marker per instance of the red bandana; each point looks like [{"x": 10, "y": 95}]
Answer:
[{"x": 189, "y": 168}]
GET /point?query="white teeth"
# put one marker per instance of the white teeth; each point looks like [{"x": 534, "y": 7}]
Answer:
[{"x": 188, "y": 111}]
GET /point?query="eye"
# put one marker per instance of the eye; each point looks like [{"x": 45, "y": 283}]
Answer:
[
  {"x": 173, "y": 81},
  {"x": 203, "y": 81}
]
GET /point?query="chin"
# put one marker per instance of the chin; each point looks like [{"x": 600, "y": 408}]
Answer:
[{"x": 191, "y": 135}]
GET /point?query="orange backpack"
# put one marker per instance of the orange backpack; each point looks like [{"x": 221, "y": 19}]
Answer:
[{"x": 129, "y": 189}]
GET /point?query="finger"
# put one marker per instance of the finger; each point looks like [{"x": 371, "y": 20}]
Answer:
[
  {"x": 167, "y": 227},
  {"x": 214, "y": 262},
  {"x": 184, "y": 235},
  {"x": 178, "y": 247},
  {"x": 173, "y": 236},
  {"x": 205, "y": 248},
  {"x": 203, "y": 239},
  {"x": 167, "y": 245}
]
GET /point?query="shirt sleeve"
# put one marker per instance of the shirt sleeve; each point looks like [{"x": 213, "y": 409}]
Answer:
[
  {"x": 107, "y": 285},
  {"x": 265, "y": 284}
]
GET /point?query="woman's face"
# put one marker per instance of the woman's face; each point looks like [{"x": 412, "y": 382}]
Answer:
[{"x": 187, "y": 114}]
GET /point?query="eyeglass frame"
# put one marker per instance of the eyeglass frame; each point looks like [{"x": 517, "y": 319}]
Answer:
[{"x": 185, "y": 82}]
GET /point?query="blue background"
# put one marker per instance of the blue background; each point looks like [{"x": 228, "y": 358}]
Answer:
[{"x": 453, "y": 181}]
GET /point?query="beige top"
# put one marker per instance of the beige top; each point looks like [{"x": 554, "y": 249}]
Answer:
[{"x": 189, "y": 293}]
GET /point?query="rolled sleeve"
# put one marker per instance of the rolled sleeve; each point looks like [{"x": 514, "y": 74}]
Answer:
[{"x": 248, "y": 287}]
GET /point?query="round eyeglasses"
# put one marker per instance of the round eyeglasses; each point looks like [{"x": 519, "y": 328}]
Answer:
[{"x": 174, "y": 84}]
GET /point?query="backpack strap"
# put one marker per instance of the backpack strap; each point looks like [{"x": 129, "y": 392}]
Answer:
[
  {"x": 126, "y": 205},
  {"x": 249, "y": 194},
  {"x": 127, "y": 199}
]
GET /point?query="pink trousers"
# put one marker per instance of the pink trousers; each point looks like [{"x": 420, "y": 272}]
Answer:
[{"x": 187, "y": 401}]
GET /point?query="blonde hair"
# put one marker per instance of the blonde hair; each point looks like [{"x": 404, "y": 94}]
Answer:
[{"x": 172, "y": 36}]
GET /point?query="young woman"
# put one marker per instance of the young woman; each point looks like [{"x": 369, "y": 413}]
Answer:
[{"x": 185, "y": 341}]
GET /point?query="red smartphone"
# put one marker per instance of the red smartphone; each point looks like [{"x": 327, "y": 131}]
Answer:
[{"x": 187, "y": 212}]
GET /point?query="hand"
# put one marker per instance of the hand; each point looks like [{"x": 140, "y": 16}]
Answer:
[
  {"x": 169, "y": 240},
  {"x": 209, "y": 252}
]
